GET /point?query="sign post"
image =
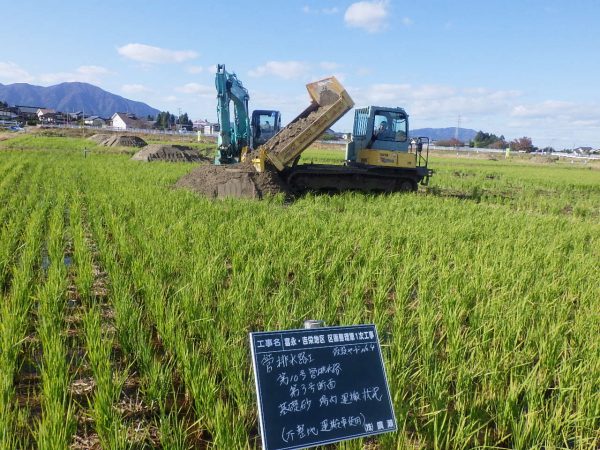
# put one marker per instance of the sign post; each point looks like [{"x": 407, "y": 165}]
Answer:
[{"x": 320, "y": 385}]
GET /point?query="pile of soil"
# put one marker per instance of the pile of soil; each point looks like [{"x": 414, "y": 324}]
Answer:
[
  {"x": 242, "y": 180},
  {"x": 118, "y": 140},
  {"x": 173, "y": 153},
  {"x": 237, "y": 180},
  {"x": 99, "y": 138},
  {"x": 292, "y": 130}
]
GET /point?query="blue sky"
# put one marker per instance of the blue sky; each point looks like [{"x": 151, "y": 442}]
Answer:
[{"x": 517, "y": 68}]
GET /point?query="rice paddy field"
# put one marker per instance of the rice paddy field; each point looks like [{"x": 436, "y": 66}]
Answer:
[{"x": 125, "y": 305}]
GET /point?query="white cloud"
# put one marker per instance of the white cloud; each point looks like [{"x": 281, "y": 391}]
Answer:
[
  {"x": 439, "y": 102},
  {"x": 368, "y": 15},
  {"x": 13, "y": 73},
  {"x": 155, "y": 55},
  {"x": 195, "y": 69},
  {"x": 93, "y": 70},
  {"x": 57, "y": 77},
  {"x": 85, "y": 74},
  {"x": 135, "y": 88},
  {"x": 545, "y": 109},
  {"x": 329, "y": 65},
  {"x": 195, "y": 88},
  {"x": 407, "y": 21},
  {"x": 282, "y": 69}
]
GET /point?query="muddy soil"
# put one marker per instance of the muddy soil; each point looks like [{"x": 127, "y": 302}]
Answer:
[
  {"x": 172, "y": 153},
  {"x": 209, "y": 180},
  {"x": 118, "y": 140},
  {"x": 292, "y": 130},
  {"x": 242, "y": 180}
]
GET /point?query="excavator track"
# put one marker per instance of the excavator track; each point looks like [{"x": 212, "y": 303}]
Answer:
[{"x": 331, "y": 179}]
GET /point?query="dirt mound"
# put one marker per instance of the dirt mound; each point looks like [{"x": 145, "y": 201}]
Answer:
[
  {"x": 99, "y": 138},
  {"x": 173, "y": 153},
  {"x": 544, "y": 159},
  {"x": 238, "y": 180},
  {"x": 118, "y": 140}
]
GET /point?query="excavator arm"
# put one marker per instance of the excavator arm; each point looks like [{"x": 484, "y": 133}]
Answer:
[{"x": 234, "y": 136}]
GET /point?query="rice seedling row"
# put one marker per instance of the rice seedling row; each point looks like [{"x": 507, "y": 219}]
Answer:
[{"x": 485, "y": 303}]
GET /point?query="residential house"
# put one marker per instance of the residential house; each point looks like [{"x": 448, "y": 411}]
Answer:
[
  {"x": 75, "y": 116},
  {"x": 126, "y": 121},
  {"x": 94, "y": 121},
  {"x": 206, "y": 127},
  {"x": 7, "y": 115},
  {"x": 27, "y": 113},
  {"x": 47, "y": 116}
]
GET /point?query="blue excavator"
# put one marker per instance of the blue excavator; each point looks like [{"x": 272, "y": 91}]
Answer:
[{"x": 242, "y": 132}]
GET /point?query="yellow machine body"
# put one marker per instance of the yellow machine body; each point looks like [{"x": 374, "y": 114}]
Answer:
[{"x": 386, "y": 158}]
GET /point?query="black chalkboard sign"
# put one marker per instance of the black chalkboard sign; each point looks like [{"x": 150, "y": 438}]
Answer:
[{"x": 321, "y": 385}]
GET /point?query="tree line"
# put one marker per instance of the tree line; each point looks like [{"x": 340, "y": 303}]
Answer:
[
  {"x": 167, "y": 121},
  {"x": 490, "y": 140}
]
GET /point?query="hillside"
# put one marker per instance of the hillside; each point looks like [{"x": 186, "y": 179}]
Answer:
[
  {"x": 436, "y": 134},
  {"x": 71, "y": 97}
]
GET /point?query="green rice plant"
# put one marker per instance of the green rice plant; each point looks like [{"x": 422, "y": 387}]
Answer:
[
  {"x": 57, "y": 423},
  {"x": 485, "y": 304},
  {"x": 108, "y": 383},
  {"x": 15, "y": 310},
  {"x": 82, "y": 256}
]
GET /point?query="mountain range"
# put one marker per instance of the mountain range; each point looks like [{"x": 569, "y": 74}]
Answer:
[
  {"x": 72, "y": 97},
  {"x": 439, "y": 134}
]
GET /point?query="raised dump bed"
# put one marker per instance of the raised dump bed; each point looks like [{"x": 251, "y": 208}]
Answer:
[{"x": 330, "y": 101}]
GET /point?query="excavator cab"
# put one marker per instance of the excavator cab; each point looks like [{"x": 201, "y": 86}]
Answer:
[{"x": 265, "y": 124}]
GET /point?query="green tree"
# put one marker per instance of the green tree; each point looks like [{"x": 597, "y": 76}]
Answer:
[
  {"x": 164, "y": 120},
  {"x": 488, "y": 140}
]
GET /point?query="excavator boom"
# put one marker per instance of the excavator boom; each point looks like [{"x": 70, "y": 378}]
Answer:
[{"x": 233, "y": 136}]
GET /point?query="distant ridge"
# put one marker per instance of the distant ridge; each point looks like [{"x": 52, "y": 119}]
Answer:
[
  {"x": 73, "y": 96},
  {"x": 438, "y": 134}
]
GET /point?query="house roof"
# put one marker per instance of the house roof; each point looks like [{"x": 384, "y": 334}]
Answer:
[
  {"x": 130, "y": 120},
  {"x": 28, "y": 109},
  {"x": 203, "y": 123},
  {"x": 44, "y": 111}
]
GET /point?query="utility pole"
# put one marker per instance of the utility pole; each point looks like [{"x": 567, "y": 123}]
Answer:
[{"x": 456, "y": 132}]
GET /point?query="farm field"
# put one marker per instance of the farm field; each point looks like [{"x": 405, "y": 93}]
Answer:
[{"x": 126, "y": 304}]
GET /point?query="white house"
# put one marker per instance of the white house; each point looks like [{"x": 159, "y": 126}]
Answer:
[
  {"x": 94, "y": 121},
  {"x": 46, "y": 115},
  {"x": 125, "y": 121}
]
